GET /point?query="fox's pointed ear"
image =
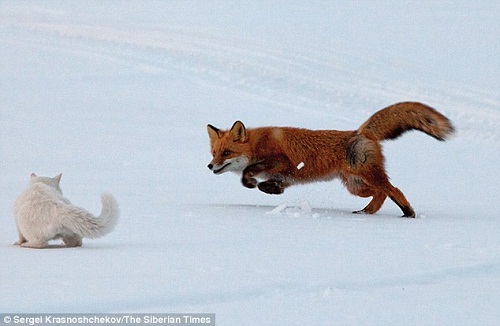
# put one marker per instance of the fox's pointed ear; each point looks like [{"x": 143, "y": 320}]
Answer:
[
  {"x": 58, "y": 178},
  {"x": 239, "y": 132},
  {"x": 33, "y": 175},
  {"x": 213, "y": 132}
]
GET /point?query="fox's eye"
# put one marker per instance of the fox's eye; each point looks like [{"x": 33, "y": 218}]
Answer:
[{"x": 226, "y": 153}]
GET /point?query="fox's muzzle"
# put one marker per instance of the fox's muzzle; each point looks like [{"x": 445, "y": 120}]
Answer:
[
  {"x": 235, "y": 164},
  {"x": 218, "y": 169}
]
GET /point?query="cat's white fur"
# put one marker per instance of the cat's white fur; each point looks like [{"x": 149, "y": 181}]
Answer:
[{"x": 42, "y": 214}]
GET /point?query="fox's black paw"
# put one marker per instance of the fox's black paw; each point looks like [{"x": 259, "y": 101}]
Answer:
[
  {"x": 271, "y": 187},
  {"x": 408, "y": 212},
  {"x": 249, "y": 182}
]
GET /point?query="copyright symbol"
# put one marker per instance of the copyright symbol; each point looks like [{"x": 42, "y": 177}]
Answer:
[{"x": 7, "y": 319}]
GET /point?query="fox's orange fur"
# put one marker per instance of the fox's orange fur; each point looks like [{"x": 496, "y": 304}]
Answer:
[{"x": 283, "y": 156}]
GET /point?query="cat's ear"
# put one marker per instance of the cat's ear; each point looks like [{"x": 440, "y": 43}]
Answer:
[
  {"x": 33, "y": 175},
  {"x": 58, "y": 178}
]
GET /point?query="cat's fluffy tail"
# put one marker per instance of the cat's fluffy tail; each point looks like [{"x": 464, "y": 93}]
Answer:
[{"x": 87, "y": 225}]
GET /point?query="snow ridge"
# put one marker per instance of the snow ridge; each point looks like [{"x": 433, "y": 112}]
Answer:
[{"x": 308, "y": 81}]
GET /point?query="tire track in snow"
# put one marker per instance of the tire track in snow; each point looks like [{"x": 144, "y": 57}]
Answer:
[{"x": 308, "y": 82}]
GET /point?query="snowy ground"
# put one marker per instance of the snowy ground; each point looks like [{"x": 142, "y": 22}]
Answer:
[{"x": 116, "y": 96}]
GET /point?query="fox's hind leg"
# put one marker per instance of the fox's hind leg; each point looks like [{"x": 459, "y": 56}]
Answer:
[
  {"x": 366, "y": 162},
  {"x": 374, "y": 205},
  {"x": 397, "y": 196},
  {"x": 358, "y": 187},
  {"x": 378, "y": 179}
]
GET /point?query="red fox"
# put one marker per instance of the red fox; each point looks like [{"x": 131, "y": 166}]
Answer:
[{"x": 283, "y": 156}]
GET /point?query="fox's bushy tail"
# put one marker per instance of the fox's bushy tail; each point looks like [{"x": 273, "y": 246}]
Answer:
[
  {"x": 83, "y": 223},
  {"x": 392, "y": 121}
]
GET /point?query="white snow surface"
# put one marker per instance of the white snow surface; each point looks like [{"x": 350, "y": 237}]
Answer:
[{"x": 116, "y": 95}]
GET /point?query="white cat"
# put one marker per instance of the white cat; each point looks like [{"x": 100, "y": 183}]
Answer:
[{"x": 43, "y": 214}]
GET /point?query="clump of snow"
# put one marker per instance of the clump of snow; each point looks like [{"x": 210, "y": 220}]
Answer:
[
  {"x": 300, "y": 165},
  {"x": 278, "y": 209},
  {"x": 327, "y": 292},
  {"x": 302, "y": 209}
]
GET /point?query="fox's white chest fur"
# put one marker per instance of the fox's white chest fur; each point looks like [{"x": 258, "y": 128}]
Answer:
[{"x": 42, "y": 214}]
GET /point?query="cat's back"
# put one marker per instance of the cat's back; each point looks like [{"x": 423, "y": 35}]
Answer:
[{"x": 35, "y": 199}]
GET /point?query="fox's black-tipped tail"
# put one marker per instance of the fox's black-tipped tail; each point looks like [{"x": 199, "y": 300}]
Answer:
[{"x": 392, "y": 121}]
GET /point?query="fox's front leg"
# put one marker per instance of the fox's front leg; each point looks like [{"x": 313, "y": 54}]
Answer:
[
  {"x": 278, "y": 165},
  {"x": 273, "y": 186}
]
